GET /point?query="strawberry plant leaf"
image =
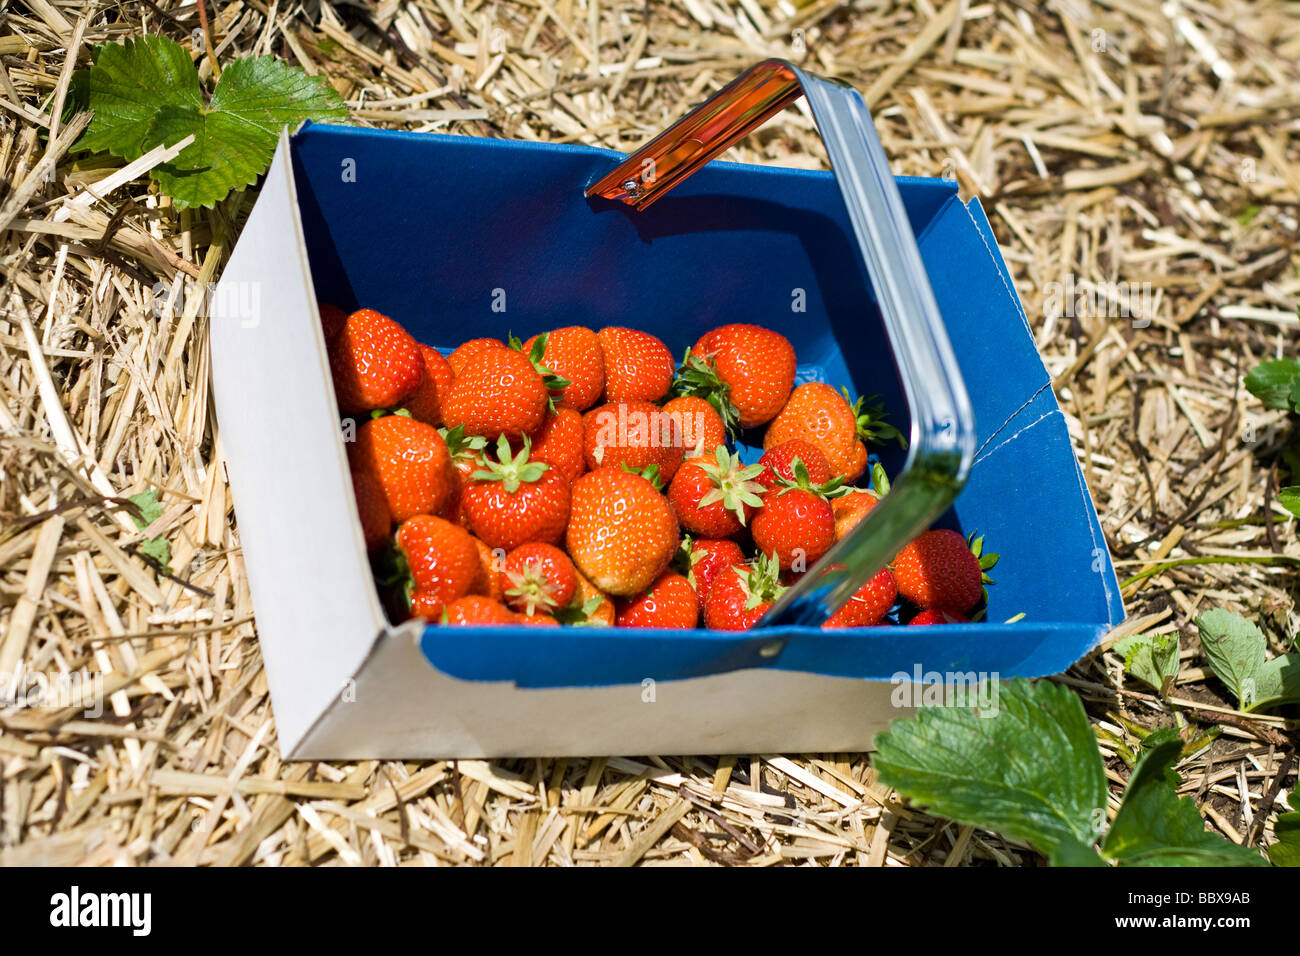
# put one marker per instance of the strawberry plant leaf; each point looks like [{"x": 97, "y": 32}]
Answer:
[
  {"x": 1271, "y": 382},
  {"x": 1286, "y": 851},
  {"x": 1151, "y": 658},
  {"x": 158, "y": 549},
  {"x": 1277, "y": 682},
  {"x": 145, "y": 92},
  {"x": 1289, "y": 498},
  {"x": 1031, "y": 769},
  {"x": 1156, "y": 827},
  {"x": 1234, "y": 648},
  {"x": 150, "y": 508}
]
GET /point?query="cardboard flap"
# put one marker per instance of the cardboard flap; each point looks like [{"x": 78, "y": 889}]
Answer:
[{"x": 317, "y": 611}]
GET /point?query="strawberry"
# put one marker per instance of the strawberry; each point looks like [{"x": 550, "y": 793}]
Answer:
[
  {"x": 636, "y": 434},
  {"x": 537, "y": 577},
  {"x": 476, "y": 610},
  {"x": 703, "y": 559},
  {"x": 638, "y": 367},
  {"x": 513, "y": 500},
  {"x": 574, "y": 354},
  {"x": 374, "y": 363},
  {"x": 439, "y": 557},
  {"x": 425, "y": 404},
  {"x": 669, "y": 602},
  {"x": 590, "y": 607},
  {"x": 823, "y": 417},
  {"x": 697, "y": 422},
  {"x": 744, "y": 371},
  {"x": 714, "y": 495},
  {"x": 537, "y": 618},
  {"x": 779, "y": 466},
  {"x": 939, "y": 571},
  {"x": 796, "y": 526},
  {"x": 622, "y": 533},
  {"x": 466, "y": 457},
  {"x": 372, "y": 508},
  {"x": 937, "y": 616},
  {"x": 409, "y": 461},
  {"x": 332, "y": 319},
  {"x": 559, "y": 443},
  {"x": 425, "y": 604},
  {"x": 496, "y": 392},
  {"x": 869, "y": 604},
  {"x": 850, "y": 509},
  {"x": 490, "y": 564},
  {"x": 741, "y": 595},
  {"x": 471, "y": 348}
]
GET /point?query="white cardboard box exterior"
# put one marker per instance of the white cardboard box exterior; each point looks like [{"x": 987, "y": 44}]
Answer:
[{"x": 344, "y": 684}]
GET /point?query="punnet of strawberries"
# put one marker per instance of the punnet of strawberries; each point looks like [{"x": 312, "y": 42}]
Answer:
[{"x": 586, "y": 478}]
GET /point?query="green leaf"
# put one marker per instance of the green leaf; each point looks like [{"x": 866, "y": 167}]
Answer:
[
  {"x": 1156, "y": 827},
  {"x": 158, "y": 549},
  {"x": 1286, "y": 851},
  {"x": 145, "y": 93},
  {"x": 1235, "y": 649},
  {"x": 150, "y": 508},
  {"x": 1277, "y": 682},
  {"x": 1151, "y": 658},
  {"x": 1271, "y": 382},
  {"x": 1031, "y": 769},
  {"x": 1289, "y": 498}
]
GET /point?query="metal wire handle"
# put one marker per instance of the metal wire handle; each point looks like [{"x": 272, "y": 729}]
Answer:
[{"x": 943, "y": 424}]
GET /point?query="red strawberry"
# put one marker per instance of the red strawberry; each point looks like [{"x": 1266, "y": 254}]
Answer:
[
  {"x": 496, "y": 392},
  {"x": 937, "y": 616},
  {"x": 697, "y": 422},
  {"x": 636, "y": 434},
  {"x": 797, "y": 526},
  {"x": 425, "y": 404},
  {"x": 742, "y": 595},
  {"x": 372, "y": 508},
  {"x": 490, "y": 564},
  {"x": 574, "y": 354},
  {"x": 466, "y": 457},
  {"x": 850, "y": 509},
  {"x": 869, "y": 604},
  {"x": 537, "y": 577},
  {"x": 537, "y": 618},
  {"x": 638, "y": 367},
  {"x": 559, "y": 443},
  {"x": 622, "y": 533},
  {"x": 513, "y": 500},
  {"x": 822, "y": 416},
  {"x": 706, "y": 558},
  {"x": 590, "y": 607},
  {"x": 425, "y": 604},
  {"x": 714, "y": 495},
  {"x": 780, "y": 467},
  {"x": 467, "y": 349},
  {"x": 476, "y": 610},
  {"x": 669, "y": 602},
  {"x": 938, "y": 570},
  {"x": 440, "y": 558},
  {"x": 744, "y": 371},
  {"x": 408, "y": 459},
  {"x": 374, "y": 363}
]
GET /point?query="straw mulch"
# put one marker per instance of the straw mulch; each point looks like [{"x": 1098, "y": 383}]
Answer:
[{"x": 1107, "y": 142}]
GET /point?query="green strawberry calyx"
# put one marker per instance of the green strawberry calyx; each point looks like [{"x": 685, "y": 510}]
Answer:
[
  {"x": 835, "y": 488},
  {"x": 511, "y": 470},
  {"x": 698, "y": 376},
  {"x": 555, "y": 383},
  {"x": 463, "y": 447},
  {"x": 987, "y": 563},
  {"x": 533, "y": 587},
  {"x": 879, "y": 480},
  {"x": 870, "y": 415},
  {"x": 733, "y": 485},
  {"x": 581, "y": 613},
  {"x": 650, "y": 473},
  {"x": 761, "y": 581}
]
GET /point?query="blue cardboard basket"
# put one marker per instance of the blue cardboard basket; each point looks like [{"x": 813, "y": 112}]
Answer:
[{"x": 438, "y": 231}]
